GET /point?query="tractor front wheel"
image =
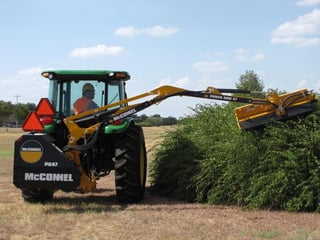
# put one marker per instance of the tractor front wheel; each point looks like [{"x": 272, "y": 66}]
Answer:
[{"x": 130, "y": 165}]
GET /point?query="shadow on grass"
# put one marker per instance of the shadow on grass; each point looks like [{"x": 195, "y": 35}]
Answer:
[
  {"x": 77, "y": 203},
  {"x": 83, "y": 204}
]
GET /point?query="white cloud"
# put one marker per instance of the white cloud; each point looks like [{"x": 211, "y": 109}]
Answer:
[
  {"x": 26, "y": 85},
  {"x": 29, "y": 72},
  {"x": 182, "y": 82},
  {"x": 97, "y": 51},
  {"x": 165, "y": 81},
  {"x": 217, "y": 54},
  {"x": 302, "y": 32},
  {"x": 243, "y": 55},
  {"x": 303, "y": 83},
  {"x": 310, "y": 82},
  {"x": 215, "y": 66},
  {"x": 308, "y": 2},
  {"x": 126, "y": 31},
  {"x": 155, "y": 31}
]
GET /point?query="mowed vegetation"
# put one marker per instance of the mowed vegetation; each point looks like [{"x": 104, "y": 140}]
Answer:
[
  {"x": 97, "y": 215},
  {"x": 208, "y": 159}
]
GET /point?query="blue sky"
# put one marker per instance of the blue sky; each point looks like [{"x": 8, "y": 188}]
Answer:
[{"x": 188, "y": 44}]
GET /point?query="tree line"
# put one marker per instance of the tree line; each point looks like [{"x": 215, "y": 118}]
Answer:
[
  {"x": 13, "y": 115},
  {"x": 154, "y": 120}
]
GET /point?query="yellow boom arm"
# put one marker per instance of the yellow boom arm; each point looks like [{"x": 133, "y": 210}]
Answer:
[{"x": 272, "y": 104}]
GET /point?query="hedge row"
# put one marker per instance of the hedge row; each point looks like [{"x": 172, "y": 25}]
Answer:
[{"x": 208, "y": 159}]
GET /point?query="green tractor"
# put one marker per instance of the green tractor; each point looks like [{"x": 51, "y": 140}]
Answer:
[{"x": 44, "y": 159}]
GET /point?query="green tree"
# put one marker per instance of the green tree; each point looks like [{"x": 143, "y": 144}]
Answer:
[
  {"x": 139, "y": 119},
  {"x": 16, "y": 113},
  {"x": 250, "y": 81},
  {"x": 155, "y": 120},
  {"x": 170, "y": 121},
  {"x": 21, "y": 111},
  {"x": 5, "y": 111}
]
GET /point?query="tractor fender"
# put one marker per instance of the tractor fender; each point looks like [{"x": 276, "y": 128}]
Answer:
[{"x": 118, "y": 128}]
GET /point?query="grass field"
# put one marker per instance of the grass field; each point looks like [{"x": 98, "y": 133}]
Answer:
[{"x": 98, "y": 215}]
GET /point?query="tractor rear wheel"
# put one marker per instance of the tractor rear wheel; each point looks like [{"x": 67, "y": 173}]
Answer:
[
  {"x": 130, "y": 165},
  {"x": 36, "y": 195}
]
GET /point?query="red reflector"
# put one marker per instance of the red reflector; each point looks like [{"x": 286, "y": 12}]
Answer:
[
  {"x": 45, "y": 108},
  {"x": 119, "y": 122},
  {"x": 32, "y": 123},
  {"x": 45, "y": 120}
]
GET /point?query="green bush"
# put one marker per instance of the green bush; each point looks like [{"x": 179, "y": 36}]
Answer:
[
  {"x": 288, "y": 174},
  {"x": 175, "y": 163},
  {"x": 208, "y": 159}
]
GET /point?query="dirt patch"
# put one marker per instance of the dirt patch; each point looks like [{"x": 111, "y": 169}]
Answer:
[{"x": 98, "y": 215}]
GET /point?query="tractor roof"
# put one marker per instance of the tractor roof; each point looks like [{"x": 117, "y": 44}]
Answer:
[{"x": 70, "y": 75}]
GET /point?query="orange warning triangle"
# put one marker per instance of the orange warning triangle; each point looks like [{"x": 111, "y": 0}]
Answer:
[
  {"x": 44, "y": 108},
  {"x": 32, "y": 123}
]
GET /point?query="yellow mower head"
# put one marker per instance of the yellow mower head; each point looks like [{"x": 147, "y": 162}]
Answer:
[{"x": 280, "y": 107}]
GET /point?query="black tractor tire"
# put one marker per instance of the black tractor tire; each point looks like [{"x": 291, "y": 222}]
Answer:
[
  {"x": 36, "y": 195},
  {"x": 130, "y": 165}
]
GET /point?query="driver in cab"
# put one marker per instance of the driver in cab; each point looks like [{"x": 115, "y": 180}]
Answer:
[{"x": 85, "y": 103}]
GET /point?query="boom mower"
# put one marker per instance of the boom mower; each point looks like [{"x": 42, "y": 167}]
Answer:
[{"x": 67, "y": 149}]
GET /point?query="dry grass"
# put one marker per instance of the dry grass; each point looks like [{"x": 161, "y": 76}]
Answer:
[{"x": 98, "y": 215}]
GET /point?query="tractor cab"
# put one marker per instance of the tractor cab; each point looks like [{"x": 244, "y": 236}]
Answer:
[{"x": 66, "y": 86}]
